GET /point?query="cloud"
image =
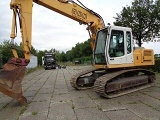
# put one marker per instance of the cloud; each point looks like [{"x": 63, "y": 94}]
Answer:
[
  {"x": 52, "y": 30},
  {"x": 152, "y": 45}
]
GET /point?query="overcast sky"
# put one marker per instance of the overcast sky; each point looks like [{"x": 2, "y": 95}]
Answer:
[{"x": 52, "y": 30}]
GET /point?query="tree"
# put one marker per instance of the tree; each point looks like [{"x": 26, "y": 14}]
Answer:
[
  {"x": 143, "y": 17},
  {"x": 58, "y": 55},
  {"x": 63, "y": 57},
  {"x": 69, "y": 55},
  {"x": 80, "y": 51},
  {"x": 39, "y": 55},
  {"x": 76, "y": 51},
  {"x": 33, "y": 51},
  {"x": 6, "y": 51},
  {"x": 86, "y": 48}
]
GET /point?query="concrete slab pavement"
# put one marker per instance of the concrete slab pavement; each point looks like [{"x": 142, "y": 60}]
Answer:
[{"x": 51, "y": 97}]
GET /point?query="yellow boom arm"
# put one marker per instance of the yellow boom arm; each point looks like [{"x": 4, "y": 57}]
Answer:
[{"x": 68, "y": 8}]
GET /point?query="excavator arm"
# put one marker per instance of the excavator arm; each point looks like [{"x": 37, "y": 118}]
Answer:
[
  {"x": 22, "y": 9},
  {"x": 13, "y": 72},
  {"x": 68, "y": 8}
]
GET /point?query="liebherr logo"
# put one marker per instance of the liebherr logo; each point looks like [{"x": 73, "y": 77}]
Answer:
[{"x": 78, "y": 14}]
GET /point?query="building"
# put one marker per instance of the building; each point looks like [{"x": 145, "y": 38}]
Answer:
[
  {"x": 157, "y": 55},
  {"x": 33, "y": 62}
]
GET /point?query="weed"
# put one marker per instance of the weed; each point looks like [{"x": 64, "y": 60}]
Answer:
[
  {"x": 23, "y": 110},
  {"x": 80, "y": 97},
  {"x": 30, "y": 70},
  {"x": 99, "y": 108},
  {"x": 73, "y": 106},
  {"x": 34, "y": 113},
  {"x": 132, "y": 102}
]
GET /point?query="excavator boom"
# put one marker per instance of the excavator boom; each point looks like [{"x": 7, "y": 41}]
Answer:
[{"x": 77, "y": 12}]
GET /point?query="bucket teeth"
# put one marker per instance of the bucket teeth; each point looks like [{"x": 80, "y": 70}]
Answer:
[{"x": 10, "y": 81}]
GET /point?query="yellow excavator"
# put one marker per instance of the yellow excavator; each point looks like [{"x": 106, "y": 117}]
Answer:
[{"x": 119, "y": 66}]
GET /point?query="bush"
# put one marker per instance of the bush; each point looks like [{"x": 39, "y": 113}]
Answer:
[
  {"x": 156, "y": 67},
  {"x": 84, "y": 60}
]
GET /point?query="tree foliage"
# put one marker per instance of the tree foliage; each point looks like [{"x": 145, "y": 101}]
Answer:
[
  {"x": 39, "y": 56},
  {"x": 80, "y": 51},
  {"x": 6, "y": 51},
  {"x": 143, "y": 17},
  {"x": 63, "y": 57}
]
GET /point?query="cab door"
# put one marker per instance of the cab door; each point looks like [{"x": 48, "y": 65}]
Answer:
[{"x": 119, "y": 44}]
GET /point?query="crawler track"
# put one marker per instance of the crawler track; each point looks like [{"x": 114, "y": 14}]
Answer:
[
  {"x": 74, "y": 80},
  {"x": 111, "y": 84},
  {"x": 123, "y": 82}
]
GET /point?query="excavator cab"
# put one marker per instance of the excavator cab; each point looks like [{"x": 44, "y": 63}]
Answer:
[{"x": 113, "y": 46}]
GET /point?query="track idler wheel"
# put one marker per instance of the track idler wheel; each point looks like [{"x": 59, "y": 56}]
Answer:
[{"x": 10, "y": 81}]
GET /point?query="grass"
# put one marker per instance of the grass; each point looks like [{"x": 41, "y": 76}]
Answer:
[
  {"x": 158, "y": 73},
  {"x": 23, "y": 110},
  {"x": 132, "y": 102},
  {"x": 73, "y": 107},
  {"x": 30, "y": 70},
  {"x": 34, "y": 113},
  {"x": 99, "y": 108}
]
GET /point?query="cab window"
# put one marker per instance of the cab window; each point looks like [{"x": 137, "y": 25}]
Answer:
[
  {"x": 116, "y": 46},
  {"x": 128, "y": 39}
]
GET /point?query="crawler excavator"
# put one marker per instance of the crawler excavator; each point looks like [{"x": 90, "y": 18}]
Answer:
[{"x": 119, "y": 67}]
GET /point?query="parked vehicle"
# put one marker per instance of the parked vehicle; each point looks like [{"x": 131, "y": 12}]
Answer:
[{"x": 49, "y": 61}]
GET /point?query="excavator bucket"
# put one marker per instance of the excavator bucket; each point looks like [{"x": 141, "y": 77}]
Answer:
[{"x": 10, "y": 81}]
